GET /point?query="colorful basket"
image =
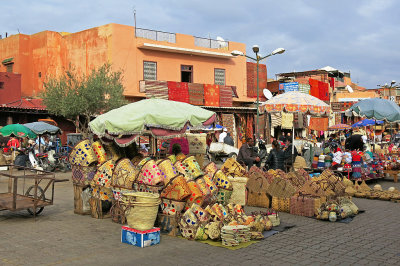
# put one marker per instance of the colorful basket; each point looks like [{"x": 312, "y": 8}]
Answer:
[
  {"x": 239, "y": 190},
  {"x": 224, "y": 195},
  {"x": 193, "y": 167},
  {"x": 207, "y": 194},
  {"x": 172, "y": 207},
  {"x": 181, "y": 168},
  {"x": 141, "y": 187},
  {"x": 100, "y": 152},
  {"x": 124, "y": 174},
  {"x": 103, "y": 176},
  {"x": 221, "y": 180},
  {"x": 82, "y": 154},
  {"x": 150, "y": 174},
  {"x": 196, "y": 195},
  {"x": 233, "y": 168},
  {"x": 102, "y": 193},
  {"x": 176, "y": 189},
  {"x": 168, "y": 170},
  {"x": 83, "y": 174},
  {"x": 210, "y": 168}
]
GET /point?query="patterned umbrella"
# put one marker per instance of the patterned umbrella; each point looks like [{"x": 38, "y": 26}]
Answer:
[
  {"x": 295, "y": 101},
  {"x": 17, "y": 130},
  {"x": 340, "y": 127}
]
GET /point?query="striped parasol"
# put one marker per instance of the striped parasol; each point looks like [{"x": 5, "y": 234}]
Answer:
[
  {"x": 295, "y": 101},
  {"x": 340, "y": 127}
]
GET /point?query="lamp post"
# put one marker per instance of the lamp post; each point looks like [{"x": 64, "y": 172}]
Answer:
[{"x": 258, "y": 58}]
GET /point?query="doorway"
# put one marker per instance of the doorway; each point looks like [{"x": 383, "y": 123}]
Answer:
[{"x": 187, "y": 73}]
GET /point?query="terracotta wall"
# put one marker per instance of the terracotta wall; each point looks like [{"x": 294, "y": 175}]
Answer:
[{"x": 10, "y": 87}]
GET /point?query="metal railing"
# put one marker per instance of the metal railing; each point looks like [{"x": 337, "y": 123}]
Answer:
[
  {"x": 210, "y": 43},
  {"x": 155, "y": 35}
]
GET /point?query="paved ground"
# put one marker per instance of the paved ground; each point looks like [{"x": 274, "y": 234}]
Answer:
[{"x": 58, "y": 236}]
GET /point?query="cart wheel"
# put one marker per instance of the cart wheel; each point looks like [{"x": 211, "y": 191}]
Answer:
[
  {"x": 232, "y": 155},
  {"x": 30, "y": 192}
]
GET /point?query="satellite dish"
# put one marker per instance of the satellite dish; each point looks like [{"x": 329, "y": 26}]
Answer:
[
  {"x": 267, "y": 94},
  {"x": 221, "y": 42},
  {"x": 349, "y": 89}
]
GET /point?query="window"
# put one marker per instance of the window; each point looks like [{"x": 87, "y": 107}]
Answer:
[
  {"x": 9, "y": 68},
  {"x": 149, "y": 70},
  {"x": 187, "y": 74},
  {"x": 40, "y": 74},
  {"x": 1, "y": 85},
  {"x": 219, "y": 76}
]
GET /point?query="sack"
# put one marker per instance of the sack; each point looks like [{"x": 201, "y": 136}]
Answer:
[
  {"x": 258, "y": 199},
  {"x": 197, "y": 143},
  {"x": 182, "y": 169},
  {"x": 238, "y": 190},
  {"x": 281, "y": 204},
  {"x": 176, "y": 189}
]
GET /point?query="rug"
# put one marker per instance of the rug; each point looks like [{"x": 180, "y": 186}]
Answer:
[
  {"x": 225, "y": 96},
  {"x": 211, "y": 95},
  {"x": 196, "y": 93},
  {"x": 156, "y": 89},
  {"x": 178, "y": 91}
]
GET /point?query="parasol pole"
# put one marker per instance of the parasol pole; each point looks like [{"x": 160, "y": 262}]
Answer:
[
  {"x": 292, "y": 146},
  {"x": 374, "y": 134}
]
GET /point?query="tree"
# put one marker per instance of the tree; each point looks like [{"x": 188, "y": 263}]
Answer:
[{"x": 79, "y": 98}]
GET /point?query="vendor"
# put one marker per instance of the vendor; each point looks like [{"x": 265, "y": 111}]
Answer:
[
  {"x": 275, "y": 158},
  {"x": 289, "y": 159},
  {"x": 247, "y": 155}
]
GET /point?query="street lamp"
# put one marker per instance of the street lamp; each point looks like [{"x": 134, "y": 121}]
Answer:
[{"x": 258, "y": 58}]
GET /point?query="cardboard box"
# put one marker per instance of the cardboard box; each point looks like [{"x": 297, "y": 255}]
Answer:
[{"x": 140, "y": 238}]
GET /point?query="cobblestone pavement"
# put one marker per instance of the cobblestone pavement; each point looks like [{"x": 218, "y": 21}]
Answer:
[{"x": 58, "y": 236}]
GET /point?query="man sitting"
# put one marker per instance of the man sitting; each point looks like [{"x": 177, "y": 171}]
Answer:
[{"x": 248, "y": 155}]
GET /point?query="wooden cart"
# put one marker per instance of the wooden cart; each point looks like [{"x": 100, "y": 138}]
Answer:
[{"x": 27, "y": 189}]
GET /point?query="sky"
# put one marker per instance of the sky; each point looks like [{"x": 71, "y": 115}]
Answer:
[{"x": 357, "y": 36}]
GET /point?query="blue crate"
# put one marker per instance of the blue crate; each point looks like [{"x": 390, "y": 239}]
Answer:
[{"x": 140, "y": 238}]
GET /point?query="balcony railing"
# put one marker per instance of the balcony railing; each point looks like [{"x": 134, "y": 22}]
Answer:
[
  {"x": 210, "y": 43},
  {"x": 155, "y": 35}
]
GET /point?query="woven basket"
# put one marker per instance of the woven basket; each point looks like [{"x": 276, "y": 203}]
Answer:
[
  {"x": 82, "y": 154},
  {"x": 125, "y": 174},
  {"x": 281, "y": 204},
  {"x": 168, "y": 170},
  {"x": 100, "y": 152},
  {"x": 233, "y": 168},
  {"x": 142, "y": 215},
  {"x": 221, "y": 180},
  {"x": 196, "y": 195},
  {"x": 150, "y": 174},
  {"x": 258, "y": 199},
  {"x": 224, "y": 195},
  {"x": 103, "y": 176},
  {"x": 176, "y": 189},
  {"x": 182, "y": 169},
  {"x": 210, "y": 168},
  {"x": 239, "y": 190},
  {"x": 281, "y": 188},
  {"x": 83, "y": 174},
  {"x": 193, "y": 167},
  {"x": 141, "y": 187},
  {"x": 172, "y": 207},
  {"x": 207, "y": 194}
]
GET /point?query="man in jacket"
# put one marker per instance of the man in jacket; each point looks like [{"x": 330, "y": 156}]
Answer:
[
  {"x": 289, "y": 159},
  {"x": 229, "y": 140},
  {"x": 248, "y": 155}
]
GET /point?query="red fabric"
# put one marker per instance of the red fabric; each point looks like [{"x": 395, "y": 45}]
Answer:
[
  {"x": 178, "y": 91},
  {"x": 225, "y": 97},
  {"x": 314, "y": 90},
  {"x": 332, "y": 82},
  {"x": 196, "y": 93},
  {"x": 323, "y": 91},
  {"x": 13, "y": 143},
  {"x": 181, "y": 141},
  {"x": 211, "y": 95},
  {"x": 319, "y": 123},
  {"x": 249, "y": 126}
]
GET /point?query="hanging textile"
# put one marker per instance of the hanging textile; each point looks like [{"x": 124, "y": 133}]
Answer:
[
  {"x": 228, "y": 121},
  {"x": 298, "y": 120},
  {"x": 196, "y": 93},
  {"x": 287, "y": 120},
  {"x": 211, "y": 95},
  {"x": 276, "y": 120},
  {"x": 323, "y": 91},
  {"x": 183, "y": 142},
  {"x": 304, "y": 88},
  {"x": 332, "y": 120},
  {"x": 319, "y": 123},
  {"x": 242, "y": 127},
  {"x": 332, "y": 82},
  {"x": 225, "y": 96},
  {"x": 178, "y": 91},
  {"x": 157, "y": 89},
  {"x": 249, "y": 128},
  {"x": 314, "y": 90}
]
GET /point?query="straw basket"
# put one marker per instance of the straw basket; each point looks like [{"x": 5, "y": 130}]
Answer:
[
  {"x": 168, "y": 170},
  {"x": 176, "y": 189},
  {"x": 100, "y": 152},
  {"x": 124, "y": 174},
  {"x": 224, "y": 195},
  {"x": 210, "y": 168},
  {"x": 221, "y": 180},
  {"x": 141, "y": 211},
  {"x": 104, "y": 174},
  {"x": 181, "y": 168},
  {"x": 150, "y": 174},
  {"x": 196, "y": 195},
  {"x": 172, "y": 207},
  {"x": 207, "y": 194},
  {"x": 233, "y": 167},
  {"x": 239, "y": 190},
  {"x": 82, "y": 175},
  {"x": 82, "y": 154},
  {"x": 193, "y": 167}
]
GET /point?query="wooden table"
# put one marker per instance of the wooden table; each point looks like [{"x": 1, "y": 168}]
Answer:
[{"x": 393, "y": 173}]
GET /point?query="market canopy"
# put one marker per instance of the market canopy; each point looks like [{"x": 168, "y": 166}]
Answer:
[
  {"x": 157, "y": 117},
  {"x": 295, "y": 101},
  {"x": 376, "y": 108},
  {"x": 17, "y": 130},
  {"x": 339, "y": 127},
  {"x": 41, "y": 128},
  {"x": 367, "y": 122}
]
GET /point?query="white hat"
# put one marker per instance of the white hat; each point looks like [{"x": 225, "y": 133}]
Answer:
[{"x": 225, "y": 129}]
